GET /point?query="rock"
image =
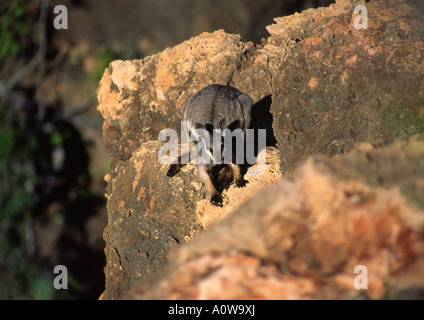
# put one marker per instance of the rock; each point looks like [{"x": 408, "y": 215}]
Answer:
[
  {"x": 234, "y": 196},
  {"x": 149, "y": 213},
  {"x": 138, "y": 99},
  {"x": 319, "y": 83},
  {"x": 138, "y": 232},
  {"x": 303, "y": 237},
  {"x": 334, "y": 85}
]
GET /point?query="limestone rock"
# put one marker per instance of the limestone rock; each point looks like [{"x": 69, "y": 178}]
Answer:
[
  {"x": 149, "y": 213},
  {"x": 320, "y": 86},
  {"x": 138, "y": 99},
  {"x": 145, "y": 217},
  {"x": 334, "y": 85},
  {"x": 303, "y": 237}
]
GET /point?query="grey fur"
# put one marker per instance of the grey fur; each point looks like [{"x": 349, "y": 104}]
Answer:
[{"x": 215, "y": 103}]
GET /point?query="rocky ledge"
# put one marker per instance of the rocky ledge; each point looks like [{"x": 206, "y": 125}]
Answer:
[{"x": 343, "y": 185}]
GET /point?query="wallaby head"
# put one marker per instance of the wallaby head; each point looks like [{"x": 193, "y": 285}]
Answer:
[
  {"x": 211, "y": 115},
  {"x": 219, "y": 107}
]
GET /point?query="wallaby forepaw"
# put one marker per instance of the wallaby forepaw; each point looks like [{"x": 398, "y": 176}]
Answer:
[
  {"x": 173, "y": 169},
  {"x": 217, "y": 200},
  {"x": 241, "y": 183}
]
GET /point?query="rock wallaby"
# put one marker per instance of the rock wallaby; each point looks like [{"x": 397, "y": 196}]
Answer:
[{"x": 212, "y": 114}]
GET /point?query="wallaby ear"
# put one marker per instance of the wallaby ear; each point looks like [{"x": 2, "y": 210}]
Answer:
[
  {"x": 234, "y": 125},
  {"x": 222, "y": 124}
]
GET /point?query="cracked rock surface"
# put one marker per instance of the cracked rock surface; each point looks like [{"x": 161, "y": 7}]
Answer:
[
  {"x": 320, "y": 87},
  {"x": 303, "y": 237}
]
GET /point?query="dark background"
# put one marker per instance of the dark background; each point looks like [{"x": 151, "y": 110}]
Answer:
[{"x": 52, "y": 160}]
